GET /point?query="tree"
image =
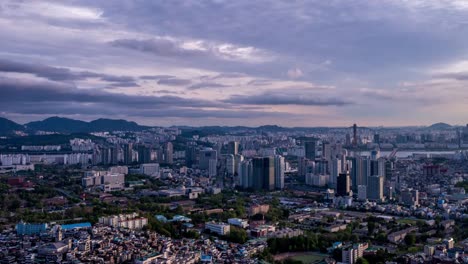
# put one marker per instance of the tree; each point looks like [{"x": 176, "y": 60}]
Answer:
[
  {"x": 362, "y": 261},
  {"x": 410, "y": 239}
]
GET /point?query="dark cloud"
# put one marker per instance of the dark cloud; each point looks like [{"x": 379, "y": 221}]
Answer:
[
  {"x": 52, "y": 98},
  {"x": 273, "y": 98},
  {"x": 160, "y": 47},
  {"x": 459, "y": 76},
  {"x": 19, "y": 91},
  {"x": 202, "y": 85},
  {"x": 174, "y": 82},
  {"x": 156, "y": 77},
  {"x": 260, "y": 82},
  {"x": 63, "y": 74}
]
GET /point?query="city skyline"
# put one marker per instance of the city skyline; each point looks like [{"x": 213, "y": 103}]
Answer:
[{"x": 303, "y": 64}]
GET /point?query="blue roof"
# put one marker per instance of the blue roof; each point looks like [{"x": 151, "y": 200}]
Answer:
[{"x": 77, "y": 225}]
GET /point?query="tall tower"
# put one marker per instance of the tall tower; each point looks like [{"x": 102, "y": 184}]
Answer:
[
  {"x": 309, "y": 147},
  {"x": 279, "y": 172},
  {"x": 375, "y": 188},
  {"x": 263, "y": 173},
  {"x": 233, "y": 148},
  {"x": 343, "y": 184},
  {"x": 168, "y": 153},
  {"x": 128, "y": 153},
  {"x": 355, "y": 141}
]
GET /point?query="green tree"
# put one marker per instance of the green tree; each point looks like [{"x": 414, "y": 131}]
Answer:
[{"x": 410, "y": 239}]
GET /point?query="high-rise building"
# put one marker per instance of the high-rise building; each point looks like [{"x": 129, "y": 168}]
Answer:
[
  {"x": 190, "y": 154},
  {"x": 230, "y": 163},
  {"x": 355, "y": 138},
  {"x": 309, "y": 147},
  {"x": 279, "y": 172},
  {"x": 335, "y": 170},
  {"x": 233, "y": 148},
  {"x": 246, "y": 174},
  {"x": 128, "y": 153},
  {"x": 144, "y": 154},
  {"x": 410, "y": 197},
  {"x": 326, "y": 150},
  {"x": 362, "y": 192},
  {"x": 206, "y": 155},
  {"x": 305, "y": 166},
  {"x": 376, "y": 138},
  {"x": 263, "y": 173},
  {"x": 168, "y": 153},
  {"x": 375, "y": 188},
  {"x": 343, "y": 187},
  {"x": 212, "y": 167}
]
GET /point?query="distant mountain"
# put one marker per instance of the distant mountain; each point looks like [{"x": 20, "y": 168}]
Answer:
[
  {"x": 66, "y": 125},
  {"x": 7, "y": 126},
  {"x": 114, "y": 125},
  {"x": 440, "y": 126},
  {"x": 58, "y": 124}
]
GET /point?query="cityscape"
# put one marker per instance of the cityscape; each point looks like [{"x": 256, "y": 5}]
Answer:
[
  {"x": 233, "y": 194},
  {"x": 250, "y": 132}
]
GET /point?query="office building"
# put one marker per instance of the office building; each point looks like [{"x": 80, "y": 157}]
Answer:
[
  {"x": 246, "y": 174},
  {"x": 310, "y": 146},
  {"x": 375, "y": 188},
  {"x": 335, "y": 170},
  {"x": 190, "y": 154},
  {"x": 218, "y": 228},
  {"x": 233, "y": 148},
  {"x": 279, "y": 172},
  {"x": 263, "y": 173},
  {"x": 206, "y": 155},
  {"x": 23, "y": 228},
  {"x": 144, "y": 154},
  {"x": 343, "y": 187},
  {"x": 168, "y": 150},
  {"x": 362, "y": 192},
  {"x": 128, "y": 153}
]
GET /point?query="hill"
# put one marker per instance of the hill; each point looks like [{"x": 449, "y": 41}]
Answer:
[
  {"x": 7, "y": 126},
  {"x": 66, "y": 125},
  {"x": 440, "y": 126}
]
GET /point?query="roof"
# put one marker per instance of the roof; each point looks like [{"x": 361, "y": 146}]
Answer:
[{"x": 77, "y": 225}]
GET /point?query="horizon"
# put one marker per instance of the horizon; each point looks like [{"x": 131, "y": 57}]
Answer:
[
  {"x": 315, "y": 126},
  {"x": 293, "y": 64}
]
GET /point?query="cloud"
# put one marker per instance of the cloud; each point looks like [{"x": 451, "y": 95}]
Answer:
[
  {"x": 202, "y": 85},
  {"x": 62, "y": 74},
  {"x": 170, "y": 47},
  {"x": 156, "y": 77},
  {"x": 278, "y": 98},
  {"x": 53, "y": 98},
  {"x": 295, "y": 73},
  {"x": 174, "y": 82},
  {"x": 459, "y": 76},
  {"x": 26, "y": 91}
]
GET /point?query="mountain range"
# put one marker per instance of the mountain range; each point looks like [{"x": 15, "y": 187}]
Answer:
[{"x": 66, "y": 125}]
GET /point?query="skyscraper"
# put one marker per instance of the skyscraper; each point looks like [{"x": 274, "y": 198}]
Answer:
[
  {"x": 375, "y": 188},
  {"x": 206, "y": 155},
  {"x": 343, "y": 185},
  {"x": 168, "y": 153},
  {"x": 279, "y": 172},
  {"x": 245, "y": 174},
  {"x": 233, "y": 148},
  {"x": 263, "y": 173},
  {"x": 309, "y": 147},
  {"x": 335, "y": 170},
  {"x": 128, "y": 153},
  {"x": 355, "y": 139},
  {"x": 190, "y": 154},
  {"x": 144, "y": 154}
]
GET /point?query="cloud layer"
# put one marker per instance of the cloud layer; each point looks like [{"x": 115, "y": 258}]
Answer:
[{"x": 236, "y": 62}]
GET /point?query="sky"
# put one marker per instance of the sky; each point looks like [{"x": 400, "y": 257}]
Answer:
[{"x": 243, "y": 62}]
